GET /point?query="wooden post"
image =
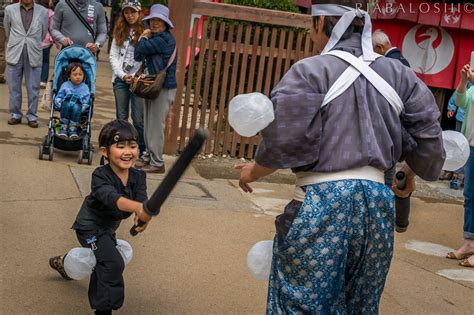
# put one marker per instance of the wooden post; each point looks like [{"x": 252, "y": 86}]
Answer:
[{"x": 180, "y": 15}]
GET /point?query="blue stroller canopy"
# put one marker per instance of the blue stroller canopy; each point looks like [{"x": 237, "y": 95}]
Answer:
[{"x": 77, "y": 53}]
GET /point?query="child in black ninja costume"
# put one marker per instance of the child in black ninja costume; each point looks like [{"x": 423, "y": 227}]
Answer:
[{"x": 117, "y": 191}]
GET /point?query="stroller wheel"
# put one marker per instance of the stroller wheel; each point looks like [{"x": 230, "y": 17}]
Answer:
[
  {"x": 51, "y": 152},
  {"x": 40, "y": 155},
  {"x": 79, "y": 159},
  {"x": 89, "y": 160}
]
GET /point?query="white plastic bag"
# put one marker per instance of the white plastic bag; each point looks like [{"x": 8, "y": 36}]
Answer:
[
  {"x": 259, "y": 260},
  {"x": 80, "y": 261},
  {"x": 250, "y": 113},
  {"x": 457, "y": 150}
]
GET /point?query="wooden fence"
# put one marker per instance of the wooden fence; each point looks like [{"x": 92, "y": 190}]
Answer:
[{"x": 233, "y": 59}]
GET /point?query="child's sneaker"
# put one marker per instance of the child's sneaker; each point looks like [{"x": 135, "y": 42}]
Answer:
[
  {"x": 62, "y": 133},
  {"x": 73, "y": 133},
  {"x": 57, "y": 263}
]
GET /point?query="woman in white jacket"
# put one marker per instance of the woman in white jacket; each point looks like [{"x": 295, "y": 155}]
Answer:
[{"x": 127, "y": 30}]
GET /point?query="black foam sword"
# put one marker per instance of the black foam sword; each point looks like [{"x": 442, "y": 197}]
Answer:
[{"x": 152, "y": 206}]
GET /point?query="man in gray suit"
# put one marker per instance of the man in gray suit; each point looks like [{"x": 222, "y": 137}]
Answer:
[{"x": 26, "y": 24}]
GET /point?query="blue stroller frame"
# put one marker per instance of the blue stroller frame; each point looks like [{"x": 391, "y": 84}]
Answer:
[{"x": 51, "y": 140}]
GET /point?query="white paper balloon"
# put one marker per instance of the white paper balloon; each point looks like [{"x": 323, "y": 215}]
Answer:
[
  {"x": 457, "y": 150},
  {"x": 259, "y": 260},
  {"x": 125, "y": 250},
  {"x": 79, "y": 263},
  {"x": 250, "y": 113}
]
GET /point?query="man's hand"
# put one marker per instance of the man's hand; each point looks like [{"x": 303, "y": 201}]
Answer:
[
  {"x": 250, "y": 172},
  {"x": 410, "y": 187},
  {"x": 67, "y": 42},
  {"x": 246, "y": 175},
  {"x": 451, "y": 113},
  {"x": 410, "y": 183}
]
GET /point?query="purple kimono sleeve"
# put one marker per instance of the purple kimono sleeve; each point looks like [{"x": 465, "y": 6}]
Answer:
[
  {"x": 293, "y": 138},
  {"x": 421, "y": 119}
]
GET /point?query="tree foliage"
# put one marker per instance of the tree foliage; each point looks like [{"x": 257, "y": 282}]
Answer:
[{"x": 280, "y": 5}]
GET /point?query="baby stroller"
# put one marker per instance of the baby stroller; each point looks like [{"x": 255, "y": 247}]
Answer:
[{"x": 51, "y": 140}]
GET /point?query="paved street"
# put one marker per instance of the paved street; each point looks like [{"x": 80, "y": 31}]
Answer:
[{"x": 192, "y": 258}]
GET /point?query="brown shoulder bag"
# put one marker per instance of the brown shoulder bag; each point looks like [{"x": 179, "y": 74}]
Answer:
[{"x": 149, "y": 85}]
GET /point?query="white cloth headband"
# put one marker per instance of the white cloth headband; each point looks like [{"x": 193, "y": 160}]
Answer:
[{"x": 347, "y": 15}]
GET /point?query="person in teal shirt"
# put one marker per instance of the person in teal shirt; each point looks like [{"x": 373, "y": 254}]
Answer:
[
  {"x": 465, "y": 99},
  {"x": 458, "y": 176}
]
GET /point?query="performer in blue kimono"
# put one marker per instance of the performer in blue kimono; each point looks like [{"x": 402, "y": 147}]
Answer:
[{"x": 339, "y": 127}]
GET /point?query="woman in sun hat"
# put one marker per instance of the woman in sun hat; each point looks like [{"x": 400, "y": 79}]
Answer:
[
  {"x": 157, "y": 48},
  {"x": 127, "y": 31}
]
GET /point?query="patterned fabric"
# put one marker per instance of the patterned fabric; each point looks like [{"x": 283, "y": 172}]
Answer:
[
  {"x": 134, "y": 4},
  {"x": 336, "y": 255}
]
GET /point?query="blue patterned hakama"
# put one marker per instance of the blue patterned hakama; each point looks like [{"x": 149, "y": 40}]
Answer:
[{"x": 336, "y": 255}]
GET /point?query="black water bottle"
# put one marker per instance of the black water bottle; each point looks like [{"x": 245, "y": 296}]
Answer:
[{"x": 402, "y": 205}]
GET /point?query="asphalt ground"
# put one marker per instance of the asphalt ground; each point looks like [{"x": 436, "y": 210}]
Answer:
[{"x": 192, "y": 257}]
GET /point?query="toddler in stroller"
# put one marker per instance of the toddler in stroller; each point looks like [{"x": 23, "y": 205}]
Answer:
[
  {"x": 73, "y": 92},
  {"x": 71, "y": 100}
]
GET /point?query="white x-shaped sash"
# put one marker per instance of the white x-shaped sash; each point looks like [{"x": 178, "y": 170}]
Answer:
[{"x": 356, "y": 68}]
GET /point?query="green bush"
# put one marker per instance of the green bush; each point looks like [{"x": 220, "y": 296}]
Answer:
[
  {"x": 146, "y": 4},
  {"x": 280, "y": 5}
]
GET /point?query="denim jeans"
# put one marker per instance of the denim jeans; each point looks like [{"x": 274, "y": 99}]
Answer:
[
  {"x": 458, "y": 129},
  {"x": 45, "y": 66},
  {"x": 469, "y": 197},
  {"x": 70, "y": 113},
  {"x": 123, "y": 99}
]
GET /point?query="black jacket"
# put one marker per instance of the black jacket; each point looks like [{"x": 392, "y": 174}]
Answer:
[
  {"x": 397, "y": 54},
  {"x": 99, "y": 210}
]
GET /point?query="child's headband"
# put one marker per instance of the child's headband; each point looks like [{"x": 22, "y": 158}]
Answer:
[{"x": 118, "y": 138}]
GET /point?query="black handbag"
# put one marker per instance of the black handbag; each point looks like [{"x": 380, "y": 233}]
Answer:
[{"x": 149, "y": 85}]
